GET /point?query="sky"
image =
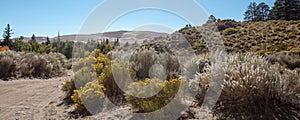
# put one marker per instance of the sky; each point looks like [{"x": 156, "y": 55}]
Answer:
[{"x": 48, "y": 17}]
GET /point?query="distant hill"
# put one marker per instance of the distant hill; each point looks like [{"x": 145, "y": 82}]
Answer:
[{"x": 124, "y": 36}]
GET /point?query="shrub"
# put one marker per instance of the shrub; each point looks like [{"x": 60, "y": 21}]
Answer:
[
  {"x": 15, "y": 64},
  {"x": 199, "y": 46},
  {"x": 8, "y": 67},
  {"x": 89, "y": 98},
  {"x": 295, "y": 51},
  {"x": 229, "y": 31},
  {"x": 83, "y": 62},
  {"x": 224, "y": 24},
  {"x": 60, "y": 57},
  {"x": 91, "y": 73},
  {"x": 255, "y": 89},
  {"x": 68, "y": 88},
  {"x": 159, "y": 100},
  {"x": 121, "y": 75},
  {"x": 196, "y": 65},
  {"x": 89, "y": 68},
  {"x": 69, "y": 64},
  {"x": 289, "y": 61},
  {"x": 83, "y": 76},
  {"x": 41, "y": 66},
  {"x": 148, "y": 55}
]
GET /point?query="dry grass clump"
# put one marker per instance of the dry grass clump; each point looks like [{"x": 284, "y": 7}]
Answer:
[
  {"x": 255, "y": 89},
  {"x": 16, "y": 65}
]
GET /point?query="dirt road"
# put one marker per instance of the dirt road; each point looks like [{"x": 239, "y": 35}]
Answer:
[{"x": 37, "y": 99}]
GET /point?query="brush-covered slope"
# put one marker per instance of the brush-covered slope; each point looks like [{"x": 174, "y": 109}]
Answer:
[{"x": 259, "y": 37}]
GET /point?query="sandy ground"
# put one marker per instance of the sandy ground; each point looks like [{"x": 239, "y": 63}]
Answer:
[
  {"x": 33, "y": 99},
  {"x": 42, "y": 99}
]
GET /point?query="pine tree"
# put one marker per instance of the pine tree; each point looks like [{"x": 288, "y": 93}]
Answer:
[
  {"x": 116, "y": 43},
  {"x": 107, "y": 41},
  {"x": 262, "y": 12},
  {"x": 250, "y": 14},
  {"x": 6, "y": 35},
  {"x": 48, "y": 41},
  {"x": 58, "y": 36},
  {"x": 33, "y": 39}
]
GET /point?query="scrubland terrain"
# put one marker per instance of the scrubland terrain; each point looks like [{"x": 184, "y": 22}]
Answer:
[{"x": 261, "y": 76}]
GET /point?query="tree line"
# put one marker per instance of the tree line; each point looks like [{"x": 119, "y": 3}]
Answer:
[
  {"x": 66, "y": 48},
  {"x": 282, "y": 10}
]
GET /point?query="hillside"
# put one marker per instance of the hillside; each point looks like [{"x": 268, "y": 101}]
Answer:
[{"x": 258, "y": 37}]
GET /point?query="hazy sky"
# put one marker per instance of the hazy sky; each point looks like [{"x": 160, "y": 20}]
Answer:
[{"x": 47, "y": 17}]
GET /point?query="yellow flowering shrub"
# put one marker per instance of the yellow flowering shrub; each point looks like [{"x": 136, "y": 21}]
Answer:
[
  {"x": 88, "y": 90},
  {"x": 100, "y": 62},
  {"x": 108, "y": 78},
  {"x": 169, "y": 89},
  {"x": 90, "y": 97}
]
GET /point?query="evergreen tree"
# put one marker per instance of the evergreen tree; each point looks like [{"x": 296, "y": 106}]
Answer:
[
  {"x": 116, "y": 43},
  {"x": 33, "y": 39},
  {"x": 250, "y": 14},
  {"x": 58, "y": 36},
  {"x": 107, "y": 41},
  {"x": 256, "y": 12},
  {"x": 6, "y": 35},
  {"x": 262, "y": 12},
  {"x": 48, "y": 41},
  {"x": 285, "y": 10}
]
